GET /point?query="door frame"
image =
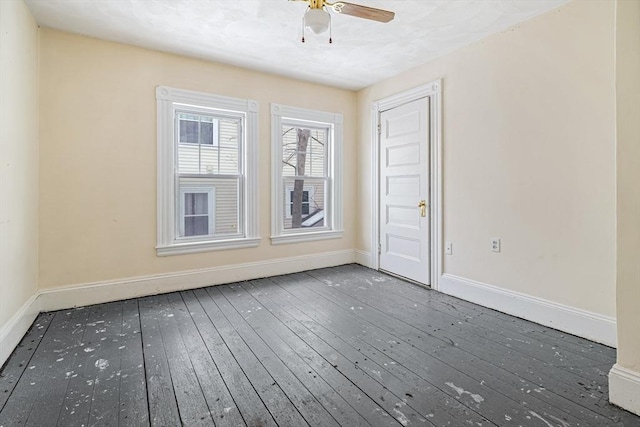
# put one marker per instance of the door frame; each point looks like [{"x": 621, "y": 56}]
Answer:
[{"x": 432, "y": 91}]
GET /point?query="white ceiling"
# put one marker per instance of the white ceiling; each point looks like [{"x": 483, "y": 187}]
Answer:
[{"x": 265, "y": 34}]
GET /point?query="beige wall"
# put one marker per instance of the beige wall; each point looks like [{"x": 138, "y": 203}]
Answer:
[
  {"x": 628, "y": 180},
  {"x": 529, "y": 156},
  {"x": 18, "y": 157},
  {"x": 98, "y": 156}
]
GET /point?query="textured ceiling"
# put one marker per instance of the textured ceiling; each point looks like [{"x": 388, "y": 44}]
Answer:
[{"x": 265, "y": 34}]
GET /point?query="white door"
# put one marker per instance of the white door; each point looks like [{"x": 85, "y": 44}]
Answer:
[{"x": 404, "y": 191}]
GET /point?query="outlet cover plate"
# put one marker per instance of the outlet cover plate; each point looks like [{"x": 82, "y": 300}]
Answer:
[{"x": 448, "y": 248}]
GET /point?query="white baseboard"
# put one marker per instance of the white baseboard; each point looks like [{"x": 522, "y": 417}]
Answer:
[
  {"x": 113, "y": 290},
  {"x": 624, "y": 388},
  {"x": 364, "y": 258},
  {"x": 12, "y": 332},
  {"x": 575, "y": 321}
]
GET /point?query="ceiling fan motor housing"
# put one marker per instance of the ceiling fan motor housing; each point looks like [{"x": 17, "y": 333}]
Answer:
[{"x": 317, "y": 20}]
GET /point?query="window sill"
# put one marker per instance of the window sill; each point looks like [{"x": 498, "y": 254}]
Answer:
[
  {"x": 195, "y": 247},
  {"x": 283, "y": 239}
]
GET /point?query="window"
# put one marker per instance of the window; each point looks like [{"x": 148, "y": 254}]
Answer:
[
  {"x": 196, "y": 211},
  {"x": 307, "y": 204},
  {"x": 206, "y": 172},
  {"x": 198, "y": 129},
  {"x": 306, "y": 182}
]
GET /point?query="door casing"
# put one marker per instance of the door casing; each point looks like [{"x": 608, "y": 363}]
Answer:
[{"x": 433, "y": 91}]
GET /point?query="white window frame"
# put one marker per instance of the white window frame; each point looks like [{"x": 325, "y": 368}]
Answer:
[
  {"x": 333, "y": 228},
  {"x": 169, "y": 100}
]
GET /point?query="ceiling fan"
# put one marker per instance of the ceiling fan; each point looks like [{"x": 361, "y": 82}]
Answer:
[{"x": 318, "y": 19}]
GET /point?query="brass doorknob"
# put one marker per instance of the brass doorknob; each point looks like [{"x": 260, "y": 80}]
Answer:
[{"x": 423, "y": 207}]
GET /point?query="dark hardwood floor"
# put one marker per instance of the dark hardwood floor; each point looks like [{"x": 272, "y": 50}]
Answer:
[{"x": 339, "y": 346}]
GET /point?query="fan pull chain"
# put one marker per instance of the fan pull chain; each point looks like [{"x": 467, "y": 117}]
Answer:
[
  {"x": 303, "y": 28},
  {"x": 330, "y": 28}
]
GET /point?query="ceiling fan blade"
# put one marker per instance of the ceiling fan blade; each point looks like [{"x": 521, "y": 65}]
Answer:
[{"x": 359, "y": 11}]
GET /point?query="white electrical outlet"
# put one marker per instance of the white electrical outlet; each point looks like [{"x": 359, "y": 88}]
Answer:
[
  {"x": 495, "y": 245},
  {"x": 448, "y": 248}
]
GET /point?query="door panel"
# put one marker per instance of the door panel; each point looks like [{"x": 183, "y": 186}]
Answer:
[{"x": 404, "y": 174}]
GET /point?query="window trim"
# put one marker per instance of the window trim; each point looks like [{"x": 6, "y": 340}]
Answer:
[
  {"x": 168, "y": 101},
  {"x": 333, "y": 199}
]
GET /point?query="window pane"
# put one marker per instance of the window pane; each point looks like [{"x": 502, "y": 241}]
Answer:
[
  {"x": 227, "y": 206},
  {"x": 303, "y": 151},
  {"x": 289, "y": 150},
  {"x": 315, "y": 160},
  {"x": 304, "y": 203},
  {"x": 206, "y": 133},
  {"x": 208, "y": 159},
  {"x": 196, "y": 203},
  {"x": 220, "y": 195},
  {"x": 219, "y": 150},
  {"x": 229, "y": 146},
  {"x": 228, "y": 161},
  {"x": 196, "y": 226},
  {"x": 188, "y": 131}
]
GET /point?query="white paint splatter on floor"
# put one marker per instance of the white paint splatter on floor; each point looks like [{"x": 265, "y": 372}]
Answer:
[
  {"x": 476, "y": 397},
  {"x": 563, "y": 422},
  {"x": 542, "y": 419},
  {"x": 102, "y": 364},
  {"x": 89, "y": 349},
  {"x": 402, "y": 418}
]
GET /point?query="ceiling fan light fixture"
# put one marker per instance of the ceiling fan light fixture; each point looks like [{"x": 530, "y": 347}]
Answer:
[{"x": 317, "y": 20}]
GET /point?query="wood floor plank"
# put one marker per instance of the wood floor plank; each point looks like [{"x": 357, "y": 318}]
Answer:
[
  {"x": 19, "y": 360},
  {"x": 249, "y": 403},
  {"x": 85, "y": 375},
  {"x": 224, "y": 411},
  {"x": 163, "y": 407},
  {"x": 271, "y": 394},
  {"x": 134, "y": 408},
  {"x": 192, "y": 404},
  {"x": 255, "y": 317},
  {"x": 105, "y": 401}
]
